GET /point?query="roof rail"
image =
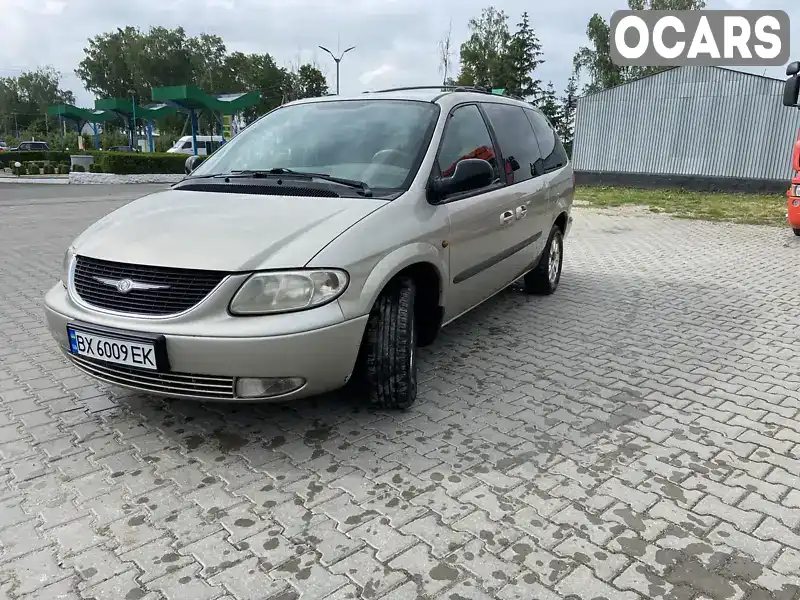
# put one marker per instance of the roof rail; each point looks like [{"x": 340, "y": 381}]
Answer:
[{"x": 449, "y": 88}]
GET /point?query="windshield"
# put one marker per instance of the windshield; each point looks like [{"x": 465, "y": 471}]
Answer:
[{"x": 379, "y": 142}]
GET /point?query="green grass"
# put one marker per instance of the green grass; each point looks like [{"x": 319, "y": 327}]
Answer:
[{"x": 754, "y": 209}]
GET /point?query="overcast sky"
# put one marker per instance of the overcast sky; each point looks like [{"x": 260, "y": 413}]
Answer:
[{"x": 396, "y": 40}]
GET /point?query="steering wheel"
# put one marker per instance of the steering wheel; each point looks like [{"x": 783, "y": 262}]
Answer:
[{"x": 391, "y": 156}]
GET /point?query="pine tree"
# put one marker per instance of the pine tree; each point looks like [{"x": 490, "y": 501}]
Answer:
[
  {"x": 548, "y": 103},
  {"x": 524, "y": 54},
  {"x": 566, "y": 130}
]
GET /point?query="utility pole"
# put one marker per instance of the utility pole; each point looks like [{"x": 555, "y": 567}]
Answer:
[{"x": 337, "y": 61}]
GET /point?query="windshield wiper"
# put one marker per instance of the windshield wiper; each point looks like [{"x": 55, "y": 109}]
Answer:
[{"x": 256, "y": 173}]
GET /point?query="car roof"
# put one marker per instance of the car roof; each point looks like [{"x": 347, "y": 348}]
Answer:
[{"x": 445, "y": 96}]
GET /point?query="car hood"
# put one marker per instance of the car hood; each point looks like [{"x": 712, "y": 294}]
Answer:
[{"x": 226, "y": 232}]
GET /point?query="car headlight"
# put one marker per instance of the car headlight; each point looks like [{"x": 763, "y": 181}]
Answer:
[
  {"x": 796, "y": 190},
  {"x": 286, "y": 291},
  {"x": 65, "y": 263}
]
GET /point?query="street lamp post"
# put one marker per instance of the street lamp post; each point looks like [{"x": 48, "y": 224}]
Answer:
[{"x": 337, "y": 61}]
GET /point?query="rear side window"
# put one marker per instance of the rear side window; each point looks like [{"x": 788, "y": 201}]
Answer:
[
  {"x": 466, "y": 136},
  {"x": 517, "y": 143},
  {"x": 553, "y": 153}
]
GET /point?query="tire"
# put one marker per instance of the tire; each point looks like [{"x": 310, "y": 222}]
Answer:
[
  {"x": 796, "y": 231},
  {"x": 390, "y": 348},
  {"x": 543, "y": 280}
]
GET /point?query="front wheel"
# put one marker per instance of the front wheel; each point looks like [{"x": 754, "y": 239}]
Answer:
[
  {"x": 390, "y": 341},
  {"x": 796, "y": 231},
  {"x": 544, "y": 278}
]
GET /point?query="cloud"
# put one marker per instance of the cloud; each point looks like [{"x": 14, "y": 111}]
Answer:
[
  {"x": 396, "y": 40},
  {"x": 380, "y": 73}
]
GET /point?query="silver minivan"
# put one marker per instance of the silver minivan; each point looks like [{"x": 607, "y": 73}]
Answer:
[{"x": 324, "y": 244}]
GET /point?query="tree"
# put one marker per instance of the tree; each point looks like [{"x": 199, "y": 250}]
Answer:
[
  {"x": 306, "y": 82},
  {"x": 257, "y": 72},
  {"x": 484, "y": 54},
  {"x": 596, "y": 58},
  {"x": 445, "y": 55},
  {"x": 549, "y": 105},
  {"x": 24, "y": 99},
  {"x": 109, "y": 67},
  {"x": 522, "y": 57},
  {"x": 566, "y": 129},
  {"x": 130, "y": 59}
]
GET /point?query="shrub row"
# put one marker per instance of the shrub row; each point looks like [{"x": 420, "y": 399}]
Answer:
[
  {"x": 8, "y": 158},
  {"x": 140, "y": 163},
  {"x": 33, "y": 169},
  {"x": 122, "y": 163}
]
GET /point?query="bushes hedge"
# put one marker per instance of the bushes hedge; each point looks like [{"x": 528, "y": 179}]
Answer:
[
  {"x": 122, "y": 163},
  {"x": 8, "y": 158},
  {"x": 139, "y": 163},
  {"x": 78, "y": 168}
]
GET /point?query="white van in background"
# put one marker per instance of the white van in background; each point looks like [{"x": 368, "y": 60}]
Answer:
[{"x": 206, "y": 144}]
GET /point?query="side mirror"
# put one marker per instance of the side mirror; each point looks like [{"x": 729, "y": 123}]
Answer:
[
  {"x": 190, "y": 163},
  {"x": 791, "y": 89},
  {"x": 793, "y": 68},
  {"x": 470, "y": 174}
]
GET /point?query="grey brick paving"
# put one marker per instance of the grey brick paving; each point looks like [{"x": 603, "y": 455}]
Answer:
[{"x": 634, "y": 436}]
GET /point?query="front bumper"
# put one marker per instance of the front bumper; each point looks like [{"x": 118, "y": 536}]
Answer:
[{"x": 205, "y": 366}]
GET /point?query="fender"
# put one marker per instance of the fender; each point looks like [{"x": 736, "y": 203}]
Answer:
[{"x": 360, "y": 303}]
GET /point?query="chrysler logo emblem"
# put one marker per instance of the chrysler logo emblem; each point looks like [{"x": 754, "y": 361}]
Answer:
[{"x": 124, "y": 286}]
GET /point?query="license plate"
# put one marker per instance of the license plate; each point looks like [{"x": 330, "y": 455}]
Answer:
[{"x": 137, "y": 354}]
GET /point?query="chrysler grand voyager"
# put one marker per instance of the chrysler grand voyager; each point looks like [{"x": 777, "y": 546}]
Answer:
[{"x": 326, "y": 242}]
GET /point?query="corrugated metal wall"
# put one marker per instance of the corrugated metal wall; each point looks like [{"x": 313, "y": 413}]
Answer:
[{"x": 702, "y": 121}]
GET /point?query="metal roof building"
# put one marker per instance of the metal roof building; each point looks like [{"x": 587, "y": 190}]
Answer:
[{"x": 695, "y": 127}]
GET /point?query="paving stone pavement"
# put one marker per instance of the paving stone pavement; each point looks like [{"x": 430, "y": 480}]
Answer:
[{"x": 633, "y": 436}]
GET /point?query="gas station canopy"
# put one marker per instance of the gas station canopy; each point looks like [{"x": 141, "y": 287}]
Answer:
[
  {"x": 124, "y": 107},
  {"x": 79, "y": 115},
  {"x": 167, "y": 101},
  {"x": 190, "y": 98}
]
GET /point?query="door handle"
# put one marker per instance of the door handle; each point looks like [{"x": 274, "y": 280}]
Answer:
[
  {"x": 522, "y": 211},
  {"x": 507, "y": 217}
]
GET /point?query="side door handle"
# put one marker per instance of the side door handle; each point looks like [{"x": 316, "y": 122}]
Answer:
[
  {"x": 507, "y": 217},
  {"x": 522, "y": 211}
]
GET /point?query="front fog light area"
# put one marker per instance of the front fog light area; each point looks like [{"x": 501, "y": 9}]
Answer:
[{"x": 267, "y": 387}]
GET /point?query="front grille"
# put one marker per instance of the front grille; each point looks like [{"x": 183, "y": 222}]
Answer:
[
  {"x": 181, "y": 385},
  {"x": 185, "y": 287}
]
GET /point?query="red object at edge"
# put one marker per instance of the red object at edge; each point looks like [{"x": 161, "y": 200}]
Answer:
[{"x": 793, "y": 212}]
